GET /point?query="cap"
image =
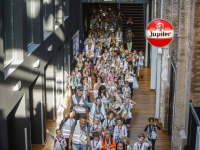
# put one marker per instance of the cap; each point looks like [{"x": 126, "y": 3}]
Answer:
[{"x": 80, "y": 87}]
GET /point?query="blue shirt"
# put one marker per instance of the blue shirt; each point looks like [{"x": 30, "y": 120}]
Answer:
[{"x": 92, "y": 58}]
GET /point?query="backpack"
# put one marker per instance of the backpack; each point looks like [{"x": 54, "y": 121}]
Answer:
[
  {"x": 56, "y": 139},
  {"x": 62, "y": 122},
  {"x": 101, "y": 135}
]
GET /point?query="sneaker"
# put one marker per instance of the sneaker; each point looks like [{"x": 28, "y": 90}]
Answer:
[
  {"x": 141, "y": 76},
  {"x": 137, "y": 78}
]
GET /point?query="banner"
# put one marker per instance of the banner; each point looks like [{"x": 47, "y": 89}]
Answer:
[{"x": 75, "y": 40}]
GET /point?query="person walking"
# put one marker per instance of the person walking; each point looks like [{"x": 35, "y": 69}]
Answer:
[
  {"x": 65, "y": 126},
  {"x": 80, "y": 134},
  {"x": 129, "y": 24},
  {"x": 90, "y": 52},
  {"x": 129, "y": 38},
  {"x": 77, "y": 102}
]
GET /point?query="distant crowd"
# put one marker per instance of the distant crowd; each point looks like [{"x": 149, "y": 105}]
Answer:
[{"x": 116, "y": 71}]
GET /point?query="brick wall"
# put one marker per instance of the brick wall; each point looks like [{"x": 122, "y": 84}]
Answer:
[
  {"x": 181, "y": 80},
  {"x": 193, "y": 18},
  {"x": 185, "y": 52},
  {"x": 195, "y": 46},
  {"x": 174, "y": 21}
]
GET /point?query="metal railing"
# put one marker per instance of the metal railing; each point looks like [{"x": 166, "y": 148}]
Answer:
[{"x": 194, "y": 124}]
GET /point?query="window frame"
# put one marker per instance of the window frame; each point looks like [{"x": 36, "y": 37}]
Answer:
[
  {"x": 48, "y": 18},
  {"x": 8, "y": 63},
  {"x": 32, "y": 14}
]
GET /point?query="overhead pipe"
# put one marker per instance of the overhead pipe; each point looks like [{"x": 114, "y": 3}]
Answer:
[
  {"x": 153, "y": 54},
  {"x": 161, "y": 8},
  {"x": 155, "y": 9},
  {"x": 159, "y": 62}
]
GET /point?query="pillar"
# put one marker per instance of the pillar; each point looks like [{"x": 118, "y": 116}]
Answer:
[
  {"x": 181, "y": 79},
  {"x": 165, "y": 69}
]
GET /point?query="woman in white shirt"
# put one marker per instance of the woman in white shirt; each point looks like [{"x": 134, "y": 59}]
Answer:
[
  {"x": 129, "y": 76},
  {"x": 140, "y": 64},
  {"x": 65, "y": 125}
]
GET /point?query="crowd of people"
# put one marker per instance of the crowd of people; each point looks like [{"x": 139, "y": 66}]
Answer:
[{"x": 114, "y": 69}]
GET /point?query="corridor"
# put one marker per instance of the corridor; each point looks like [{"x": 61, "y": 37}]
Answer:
[
  {"x": 144, "y": 109},
  {"x": 49, "y": 47}
]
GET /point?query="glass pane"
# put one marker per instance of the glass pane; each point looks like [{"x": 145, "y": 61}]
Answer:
[
  {"x": 8, "y": 32},
  {"x": 44, "y": 16},
  {"x": 59, "y": 78},
  {"x": 29, "y": 7},
  {"x": 58, "y": 11}
]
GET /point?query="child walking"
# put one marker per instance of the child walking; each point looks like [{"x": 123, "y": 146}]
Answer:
[
  {"x": 142, "y": 144},
  {"x": 120, "y": 130},
  {"x": 94, "y": 125},
  {"x": 100, "y": 130},
  {"x": 73, "y": 82},
  {"x": 151, "y": 128},
  {"x": 140, "y": 64},
  {"x": 126, "y": 143},
  {"x": 126, "y": 90},
  {"x": 109, "y": 122},
  {"x": 79, "y": 63},
  {"x": 108, "y": 142},
  {"x": 59, "y": 140},
  {"x": 135, "y": 57},
  {"x": 87, "y": 64},
  {"x": 96, "y": 143},
  {"x": 126, "y": 112}
]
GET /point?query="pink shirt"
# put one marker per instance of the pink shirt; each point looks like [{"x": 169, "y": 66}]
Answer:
[{"x": 111, "y": 76}]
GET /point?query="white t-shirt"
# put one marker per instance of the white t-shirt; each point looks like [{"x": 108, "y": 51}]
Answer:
[
  {"x": 127, "y": 109},
  {"x": 96, "y": 144},
  {"x": 138, "y": 146},
  {"x": 110, "y": 89},
  {"x": 125, "y": 65},
  {"x": 77, "y": 75},
  {"x": 107, "y": 71},
  {"x": 111, "y": 65},
  {"x": 94, "y": 129},
  {"x": 128, "y": 147},
  {"x": 140, "y": 60},
  {"x": 107, "y": 122}
]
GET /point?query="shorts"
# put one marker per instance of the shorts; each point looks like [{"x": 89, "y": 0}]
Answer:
[
  {"x": 140, "y": 67},
  {"x": 128, "y": 121}
]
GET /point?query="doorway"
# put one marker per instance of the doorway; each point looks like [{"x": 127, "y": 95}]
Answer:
[
  {"x": 59, "y": 76},
  {"x": 17, "y": 127},
  {"x": 37, "y": 113},
  {"x": 50, "y": 102},
  {"x": 171, "y": 101}
]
